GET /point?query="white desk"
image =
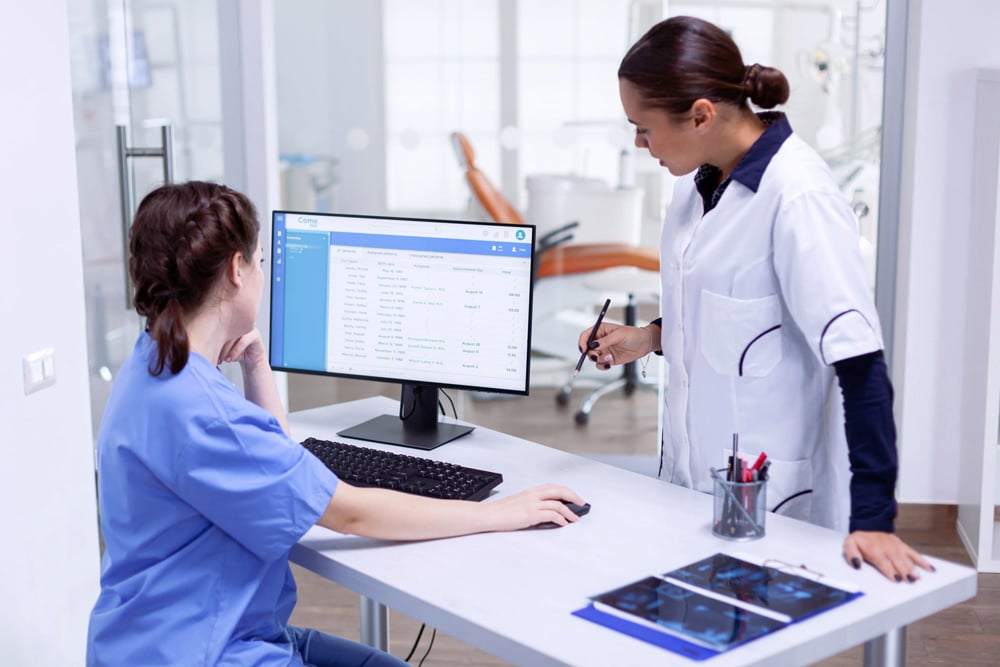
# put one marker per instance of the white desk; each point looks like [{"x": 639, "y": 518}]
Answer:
[{"x": 511, "y": 594}]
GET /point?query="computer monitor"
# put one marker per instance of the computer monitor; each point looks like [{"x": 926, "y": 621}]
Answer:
[{"x": 424, "y": 303}]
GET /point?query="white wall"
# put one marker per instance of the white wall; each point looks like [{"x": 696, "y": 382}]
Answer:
[
  {"x": 947, "y": 43},
  {"x": 50, "y": 559}
]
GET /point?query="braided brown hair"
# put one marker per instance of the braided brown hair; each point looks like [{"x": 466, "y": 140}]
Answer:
[
  {"x": 183, "y": 237},
  {"x": 683, "y": 59}
]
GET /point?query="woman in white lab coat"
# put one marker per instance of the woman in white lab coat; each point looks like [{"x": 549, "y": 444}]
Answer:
[{"x": 767, "y": 323}]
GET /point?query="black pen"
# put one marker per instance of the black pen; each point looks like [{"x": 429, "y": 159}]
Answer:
[
  {"x": 734, "y": 461},
  {"x": 590, "y": 339}
]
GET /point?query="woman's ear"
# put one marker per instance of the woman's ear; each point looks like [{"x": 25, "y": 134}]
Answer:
[
  {"x": 234, "y": 271},
  {"x": 703, "y": 113}
]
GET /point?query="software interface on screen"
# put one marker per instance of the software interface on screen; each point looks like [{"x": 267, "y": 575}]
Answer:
[{"x": 421, "y": 302}]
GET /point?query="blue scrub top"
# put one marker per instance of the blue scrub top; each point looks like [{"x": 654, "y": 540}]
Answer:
[{"x": 202, "y": 495}]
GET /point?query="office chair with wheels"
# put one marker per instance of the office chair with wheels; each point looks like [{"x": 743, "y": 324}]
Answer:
[
  {"x": 628, "y": 381},
  {"x": 559, "y": 257}
]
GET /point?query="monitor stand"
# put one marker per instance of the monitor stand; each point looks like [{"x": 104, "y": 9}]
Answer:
[{"x": 417, "y": 425}]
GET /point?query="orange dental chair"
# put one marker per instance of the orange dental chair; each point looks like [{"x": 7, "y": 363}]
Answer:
[{"x": 557, "y": 255}]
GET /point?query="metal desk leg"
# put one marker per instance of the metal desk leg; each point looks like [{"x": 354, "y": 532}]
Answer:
[
  {"x": 374, "y": 624},
  {"x": 889, "y": 650}
]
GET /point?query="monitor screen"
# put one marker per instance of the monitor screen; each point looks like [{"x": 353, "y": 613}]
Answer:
[{"x": 425, "y": 303}]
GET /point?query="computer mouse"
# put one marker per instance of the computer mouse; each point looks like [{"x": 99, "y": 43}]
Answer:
[{"x": 578, "y": 510}]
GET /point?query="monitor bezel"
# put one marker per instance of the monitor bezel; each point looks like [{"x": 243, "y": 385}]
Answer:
[{"x": 398, "y": 380}]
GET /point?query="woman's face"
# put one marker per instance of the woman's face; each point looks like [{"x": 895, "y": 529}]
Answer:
[{"x": 673, "y": 142}]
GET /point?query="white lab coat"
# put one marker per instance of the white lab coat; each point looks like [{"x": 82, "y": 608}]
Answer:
[{"x": 760, "y": 296}]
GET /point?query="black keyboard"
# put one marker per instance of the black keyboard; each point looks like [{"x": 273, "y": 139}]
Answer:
[{"x": 364, "y": 466}]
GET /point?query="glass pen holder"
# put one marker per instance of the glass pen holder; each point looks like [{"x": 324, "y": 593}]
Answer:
[{"x": 739, "y": 508}]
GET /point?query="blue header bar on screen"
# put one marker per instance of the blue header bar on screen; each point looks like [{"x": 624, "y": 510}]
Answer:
[{"x": 431, "y": 244}]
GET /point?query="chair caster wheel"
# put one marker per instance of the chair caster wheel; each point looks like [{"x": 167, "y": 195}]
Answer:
[
  {"x": 582, "y": 418},
  {"x": 562, "y": 398}
]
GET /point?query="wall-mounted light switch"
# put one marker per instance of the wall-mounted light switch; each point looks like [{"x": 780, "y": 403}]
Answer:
[{"x": 39, "y": 370}]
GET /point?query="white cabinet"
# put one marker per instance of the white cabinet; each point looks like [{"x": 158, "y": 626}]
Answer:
[{"x": 979, "y": 359}]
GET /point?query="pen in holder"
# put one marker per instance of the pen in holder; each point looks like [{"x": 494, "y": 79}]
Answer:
[{"x": 739, "y": 508}]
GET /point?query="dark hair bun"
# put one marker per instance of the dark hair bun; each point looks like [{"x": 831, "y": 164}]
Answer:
[{"x": 766, "y": 87}]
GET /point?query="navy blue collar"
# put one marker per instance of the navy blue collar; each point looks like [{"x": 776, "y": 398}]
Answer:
[{"x": 750, "y": 169}]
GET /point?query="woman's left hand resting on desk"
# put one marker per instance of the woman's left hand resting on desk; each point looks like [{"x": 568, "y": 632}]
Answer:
[
  {"x": 886, "y": 552},
  {"x": 392, "y": 515}
]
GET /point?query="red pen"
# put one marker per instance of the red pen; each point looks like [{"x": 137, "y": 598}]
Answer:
[{"x": 759, "y": 462}]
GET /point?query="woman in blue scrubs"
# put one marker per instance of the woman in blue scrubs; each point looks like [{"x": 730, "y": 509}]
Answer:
[
  {"x": 767, "y": 322},
  {"x": 202, "y": 491}
]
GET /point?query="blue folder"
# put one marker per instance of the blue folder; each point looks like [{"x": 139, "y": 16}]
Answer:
[{"x": 648, "y": 635}]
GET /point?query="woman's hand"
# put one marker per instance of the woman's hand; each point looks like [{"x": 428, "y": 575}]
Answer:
[
  {"x": 258, "y": 380},
  {"x": 392, "y": 515},
  {"x": 619, "y": 344},
  {"x": 886, "y": 552},
  {"x": 540, "y": 504},
  {"x": 248, "y": 350}
]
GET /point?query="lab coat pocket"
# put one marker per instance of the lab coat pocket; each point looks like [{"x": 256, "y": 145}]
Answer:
[
  {"x": 789, "y": 488},
  {"x": 740, "y": 336}
]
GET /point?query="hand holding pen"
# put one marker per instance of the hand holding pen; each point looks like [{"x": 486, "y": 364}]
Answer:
[
  {"x": 591, "y": 337},
  {"x": 615, "y": 344}
]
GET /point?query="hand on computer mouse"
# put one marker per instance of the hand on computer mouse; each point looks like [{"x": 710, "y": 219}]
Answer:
[
  {"x": 577, "y": 509},
  {"x": 546, "y": 503}
]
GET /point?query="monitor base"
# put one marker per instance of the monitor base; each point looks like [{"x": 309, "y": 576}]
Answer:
[{"x": 390, "y": 430}]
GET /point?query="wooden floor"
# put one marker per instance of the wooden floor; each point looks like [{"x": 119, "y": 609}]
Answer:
[{"x": 967, "y": 634}]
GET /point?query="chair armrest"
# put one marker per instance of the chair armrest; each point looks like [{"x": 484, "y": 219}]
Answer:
[
  {"x": 582, "y": 258},
  {"x": 551, "y": 239}
]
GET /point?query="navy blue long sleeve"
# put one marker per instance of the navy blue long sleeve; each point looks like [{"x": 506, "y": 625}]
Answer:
[{"x": 871, "y": 440}]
